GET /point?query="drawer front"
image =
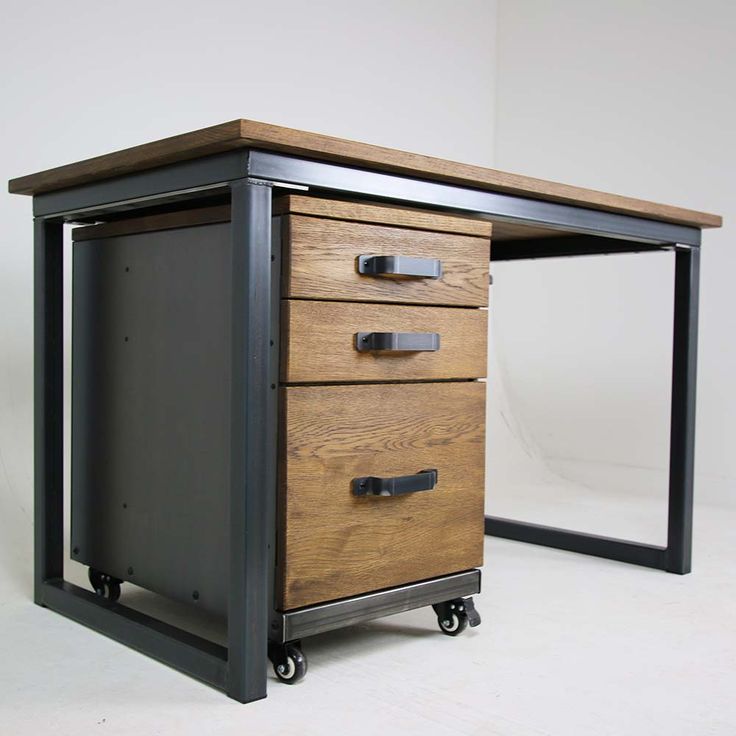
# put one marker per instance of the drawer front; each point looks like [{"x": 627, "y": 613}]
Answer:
[
  {"x": 320, "y": 343},
  {"x": 334, "y": 543},
  {"x": 324, "y": 263}
]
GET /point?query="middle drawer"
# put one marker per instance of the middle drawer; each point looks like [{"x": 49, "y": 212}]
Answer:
[{"x": 397, "y": 342}]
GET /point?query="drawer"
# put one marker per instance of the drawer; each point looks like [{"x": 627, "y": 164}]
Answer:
[
  {"x": 333, "y": 543},
  {"x": 326, "y": 257},
  {"x": 319, "y": 342}
]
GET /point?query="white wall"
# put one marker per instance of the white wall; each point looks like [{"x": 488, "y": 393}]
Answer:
[
  {"x": 637, "y": 98},
  {"x": 83, "y": 78},
  {"x": 628, "y": 96}
]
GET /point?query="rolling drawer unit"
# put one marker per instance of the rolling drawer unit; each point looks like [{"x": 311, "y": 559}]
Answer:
[
  {"x": 382, "y": 425},
  {"x": 371, "y": 418},
  {"x": 278, "y": 346}
]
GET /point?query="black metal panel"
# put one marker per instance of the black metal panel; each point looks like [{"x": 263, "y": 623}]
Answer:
[
  {"x": 143, "y": 188},
  {"x": 305, "y": 622},
  {"x": 573, "y": 541},
  {"x": 253, "y": 441},
  {"x": 332, "y": 177},
  {"x": 557, "y": 247},
  {"x": 186, "y": 652},
  {"x": 48, "y": 404},
  {"x": 151, "y": 410},
  {"x": 682, "y": 423}
]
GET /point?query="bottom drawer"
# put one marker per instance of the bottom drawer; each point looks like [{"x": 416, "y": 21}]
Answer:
[{"x": 333, "y": 543}]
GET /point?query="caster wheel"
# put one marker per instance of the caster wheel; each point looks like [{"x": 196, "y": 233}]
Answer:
[
  {"x": 289, "y": 663},
  {"x": 455, "y": 616},
  {"x": 453, "y": 624},
  {"x": 106, "y": 586}
]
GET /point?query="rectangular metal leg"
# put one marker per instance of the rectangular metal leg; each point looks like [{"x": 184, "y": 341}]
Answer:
[
  {"x": 647, "y": 555},
  {"x": 48, "y": 405},
  {"x": 682, "y": 430},
  {"x": 240, "y": 669},
  {"x": 253, "y": 458},
  {"x": 676, "y": 556},
  {"x": 186, "y": 652}
]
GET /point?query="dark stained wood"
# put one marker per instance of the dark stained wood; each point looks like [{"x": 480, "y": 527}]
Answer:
[
  {"x": 203, "y": 142},
  {"x": 153, "y": 223},
  {"x": 318, "y": 342},
  {"x": 333, "y": 544},
  {"x": 382, "y": 214},
  {"x": 322, "y": 253},
  {"x": 249, "y": 133}
]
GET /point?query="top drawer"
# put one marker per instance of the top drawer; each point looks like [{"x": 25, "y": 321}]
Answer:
[{"x": 443, "y": 260}]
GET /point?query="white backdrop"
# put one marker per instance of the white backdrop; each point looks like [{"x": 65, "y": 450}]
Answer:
[
  {"x": 635, "y": 98},
  {"x": 83, "y": 78},
  {"x": 628, "y": 97}
]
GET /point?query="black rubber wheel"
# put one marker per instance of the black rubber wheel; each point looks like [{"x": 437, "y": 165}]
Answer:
[
  {"x": 291, "y": 666},
  {"x": 104, "y": 585},
  {"x": 453, "y": 625},
  {"x": 113, "y": 591}
]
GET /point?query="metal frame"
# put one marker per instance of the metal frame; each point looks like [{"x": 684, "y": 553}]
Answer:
[
  {"x": 598, "y": 233},
  {"x": 346, "y": 180},
  {"x": 240, "y": 669},
  {"x": 676, "y": 556},
  {"x": 311, "y": 620}
]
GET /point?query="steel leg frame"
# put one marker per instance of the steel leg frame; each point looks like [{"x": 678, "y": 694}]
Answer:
[
  {"x": 253, "y": 456},
  {"x": 597, "y": 233},
  {"x": 240, "y": 669},
  {"x": 676, "y": 556}
]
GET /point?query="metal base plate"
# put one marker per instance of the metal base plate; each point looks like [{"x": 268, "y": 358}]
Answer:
[{"x": 303, "y": 622}]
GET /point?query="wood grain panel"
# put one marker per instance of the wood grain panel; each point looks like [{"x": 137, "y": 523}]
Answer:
[
  {"x": 318, "y": 340},
  {"x": 154, "y": 223},
  {"x": 333, "y": 544},
  {"x": 322, "y": 254},
  {"x": 381, "y": 214},
  {"x": 249, "y": 133}
]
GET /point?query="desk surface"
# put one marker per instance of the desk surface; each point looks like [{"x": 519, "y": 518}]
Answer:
[{"x": 250, "y": 134}]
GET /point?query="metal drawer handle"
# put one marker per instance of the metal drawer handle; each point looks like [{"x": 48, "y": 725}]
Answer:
[
  {"x": 407, "y": 266},
  {"x": 397, "y": 342},
  {"x": 424, "y": 480}
]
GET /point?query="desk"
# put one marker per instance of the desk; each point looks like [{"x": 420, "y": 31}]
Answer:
[{"x": 231, "y": 244}]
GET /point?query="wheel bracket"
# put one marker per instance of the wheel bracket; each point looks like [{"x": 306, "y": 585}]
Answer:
[{"x": 458, "y": 606}]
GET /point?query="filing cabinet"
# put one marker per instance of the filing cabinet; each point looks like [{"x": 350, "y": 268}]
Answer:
[{"x": 383, "y": 329}]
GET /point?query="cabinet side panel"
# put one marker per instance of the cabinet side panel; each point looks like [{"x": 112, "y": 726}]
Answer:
[{"x": 150, "y": 410}]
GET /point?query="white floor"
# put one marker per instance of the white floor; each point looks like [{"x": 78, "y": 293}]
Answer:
[{"x": 569, "y": 645}]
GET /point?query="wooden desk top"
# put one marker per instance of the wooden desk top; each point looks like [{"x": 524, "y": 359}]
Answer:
[{"x": 251, "y": 134}]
